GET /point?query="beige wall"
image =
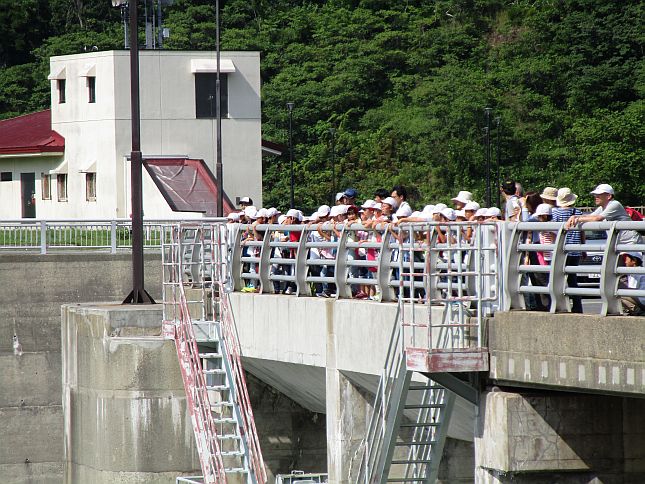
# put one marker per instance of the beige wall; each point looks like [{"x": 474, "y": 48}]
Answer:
[{"x": 101, "y": 132}]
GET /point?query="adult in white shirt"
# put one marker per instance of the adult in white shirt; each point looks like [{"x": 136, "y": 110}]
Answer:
[{"x": 608, "y": 209}]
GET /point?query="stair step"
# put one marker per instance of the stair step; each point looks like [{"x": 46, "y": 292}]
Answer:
[
  {"x": 236, "y": 470},
  {"x": 222, "y": 404},
  {"x": 426, "y": 387},
  {"x": 421, "y": 424},
  {"x": 214, "y": 371},
  {"x": 427, "y": 405},
  {"x": 407, "y": 479},
  {"x": 229, "y": 437},
  {"x": 405, "y": 444},
  {"x": 228, "y": 420},
  {"x": 217, "y": 387},
  {"x": 232, "y": 453},
  {"x": 210, "y": 355},
  {"x": 420, "y": 461}
]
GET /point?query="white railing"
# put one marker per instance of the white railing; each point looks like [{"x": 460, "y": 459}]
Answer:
[
  {"x": 303, "y": 264},
  {"x": 109, "y": 235},
  {"x": 557, "y": 283}
]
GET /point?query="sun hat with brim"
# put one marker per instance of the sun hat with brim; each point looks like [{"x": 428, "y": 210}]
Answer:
[
  {"x": 481, "y": 212},
  {"x": 323, "y": 211},
  {"x": 543, "y": 209},
  {"x": 493, "y": 212},
  {"x": 565, "y": 197},
  {"x": 438, "y": 208},
  {"x": 245, "y": 200},
  {"x": 250, "y": 211},
  {"x": 603, "y": 188},
  {"x": 281, "y": 219},
  {"x": 471, "y": 206},
  {"x": 549, "y": 193},
  {"x": 390, "y": 201},
  {"x": 449, "y": 213},
  {"x": 336, "y": 210},
  {"x": 378, "y": 207},
  {"x": 463, "y": 197},
  {"x": 233, "y": 216},
  {"x": 369, "y": 203},
  {"x": 271, "y": 212},
  {"x": 460, "y": 213},
  {"x": 339, "y": 195},
  {"x": 634, "y": 255}
]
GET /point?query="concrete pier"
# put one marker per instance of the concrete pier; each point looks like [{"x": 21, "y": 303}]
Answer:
[
  {"x": 125, "y": 413},
  {"x": 543, "y": 437}
]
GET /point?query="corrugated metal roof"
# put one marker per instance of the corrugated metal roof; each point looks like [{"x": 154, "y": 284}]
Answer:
[{"x": 30, "y": 133}]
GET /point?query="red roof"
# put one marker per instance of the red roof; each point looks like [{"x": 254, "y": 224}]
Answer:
[{"x": 31, "y": 133}]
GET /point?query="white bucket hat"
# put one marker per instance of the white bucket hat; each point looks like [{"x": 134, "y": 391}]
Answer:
[{"x": 463, "y": 197}]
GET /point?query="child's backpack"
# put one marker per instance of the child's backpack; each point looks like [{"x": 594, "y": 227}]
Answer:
[{"x": 634, "y": 214}]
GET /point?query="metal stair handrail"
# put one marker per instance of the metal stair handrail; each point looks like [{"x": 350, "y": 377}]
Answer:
[{"x": 196, "y": 393}]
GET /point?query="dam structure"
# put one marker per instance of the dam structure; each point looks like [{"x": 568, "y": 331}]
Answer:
[{"x": 446, "y": 379}]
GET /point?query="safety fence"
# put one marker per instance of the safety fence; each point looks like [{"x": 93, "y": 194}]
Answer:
[
  {"x": 109, "y": 235},
  {"x": 345, "y": 261}
]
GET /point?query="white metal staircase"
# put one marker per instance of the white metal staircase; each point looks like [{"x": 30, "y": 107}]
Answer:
[
  {"x": 408, "y": 427},
  {"x": 198, "y": 317}
]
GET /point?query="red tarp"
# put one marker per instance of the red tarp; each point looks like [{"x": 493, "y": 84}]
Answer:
[{"x": 187, "y": 185}]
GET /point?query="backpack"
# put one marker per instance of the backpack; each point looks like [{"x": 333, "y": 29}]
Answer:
[{"x": 634, "y": 214}]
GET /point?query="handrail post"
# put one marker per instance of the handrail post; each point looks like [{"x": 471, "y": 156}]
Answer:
[
  {"x": 608, "y": 278},
  {"x": 343, "y": 290},
  {"x": 113, "y": 237},
  {"x": 557, "y": 276},
  {"x": 236, "y": 264},
  {"x": 43, "y": 237},
  {"x": 264, "y": 266},
  {"x": 383, "y": 271},
  {"x": 300, "y": 265},
  {"x": 512, "y": 297}
]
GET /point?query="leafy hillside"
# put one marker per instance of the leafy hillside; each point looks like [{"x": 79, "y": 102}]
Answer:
[{"x": 403, "y": 83}]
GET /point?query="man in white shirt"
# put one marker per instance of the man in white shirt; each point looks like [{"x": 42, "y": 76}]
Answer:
[{"x": 608, "y": 209}]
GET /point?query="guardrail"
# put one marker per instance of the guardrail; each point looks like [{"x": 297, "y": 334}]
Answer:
[
  {"x": 306, "y": 263},
  {"x": 110, "y": 235},
  {"x": 339, "y": 260},
  {"x": 558, "y": 284}
]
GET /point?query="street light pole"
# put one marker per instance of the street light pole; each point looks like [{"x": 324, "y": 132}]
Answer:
[
  {"x": 498, "y": 122},
  {"x": 487, "y": 111},
  {"x": 332, "y": 131},
  {"x": 218, "y": 112},
  {"x": 138, "y": 295},
  {"x": 291, "y": 194}
]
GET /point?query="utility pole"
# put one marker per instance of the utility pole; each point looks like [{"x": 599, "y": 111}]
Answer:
[
  {"x": 138, "y": 295},
  {"x": 487, "y": 112},
  {"x": 218, "y": 112},
  {"x": 291, "y": 193}
]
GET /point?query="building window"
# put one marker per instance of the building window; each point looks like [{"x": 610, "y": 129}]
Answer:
[
  {"x": 90, "y": 187},
  {"x": 46, "y": 188},
  {"x": 6, "y": 176},
  {"x": 91, "y": 89},
  {"x": 61, "y": 181},
  {"x": 205, "y": 85},
  {"x": 60, "y": 83}
]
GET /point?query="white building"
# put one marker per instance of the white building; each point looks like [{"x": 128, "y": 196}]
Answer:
[{"x": 79, "y": 166}]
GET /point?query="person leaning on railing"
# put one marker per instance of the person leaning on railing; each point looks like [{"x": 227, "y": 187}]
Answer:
[
  {"x": 609, "y": 209},
  {"x": 565, "y": 210},
  {"x": 634, "y": 306}
]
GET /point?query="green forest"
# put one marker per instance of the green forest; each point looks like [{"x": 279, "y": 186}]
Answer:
[{"x": 394, "y": 92}]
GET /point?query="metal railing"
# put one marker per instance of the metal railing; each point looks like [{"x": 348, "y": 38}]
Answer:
[
  {"x": 109, "y": 235},
  {"x": 622, "y": 237}
]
